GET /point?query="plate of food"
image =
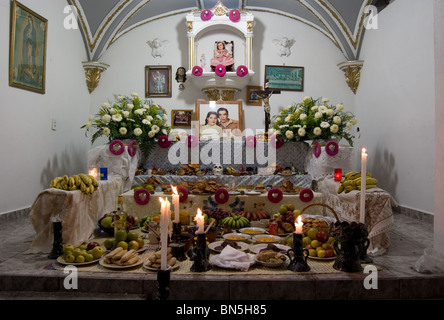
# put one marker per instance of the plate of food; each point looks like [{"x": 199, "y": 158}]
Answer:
[
  {"x": 234, "y": 192},
  {"x": 255, "y": 248},
  {"x": 287, "y": 173},
  {"x": 153, "y": 266},
  {"x": 236, "y": 237},
  {"x": 121, "y": 258},
  {"x": 110, "y": 264},
  {"x": 252, "y": 193},
  {"x": 271, "y": 258},
  {"x": 218, "y": 246},
  {"x": 253, "y": 230},
  {"x": 266, "y": 238},
  {"x": 62, "y": 261}
]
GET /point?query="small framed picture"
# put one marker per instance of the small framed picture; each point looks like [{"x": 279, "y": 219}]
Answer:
[
  {"x": 181, "y": 118},
  {"x": 252, "y": 96},
  {"x": 285, "y": 78},
  {"x": 158, "y": 81},
  {"x": 219, "y": 119},
  {"x": 27, "y": 49}
]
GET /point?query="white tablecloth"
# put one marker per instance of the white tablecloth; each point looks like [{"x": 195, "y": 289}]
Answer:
[
  {"x": 378, "y": 211},
  {"x": 79, "y": 212},
  {"x": 324, "y": 165}
]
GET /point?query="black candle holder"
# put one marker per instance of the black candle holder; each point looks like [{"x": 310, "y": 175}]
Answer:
[
  {"x": 163, "y": 281},
  {"x": 178, "y": 250},
  {"x": 299, "y": 261},
  {"x": 57, "y": 245},
  {"x": 177, "y": 231},
  {"x": 200, "y": 257}
]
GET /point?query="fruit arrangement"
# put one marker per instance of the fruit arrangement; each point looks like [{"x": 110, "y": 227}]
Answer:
[
  {"x": 154, "y": 260},
  {"x": 122, "y": 257},
  {"x": 254, "y": 215},
  {"x": 217, "y": 213},
  {"x": 352, "y": 181},
  {"x": 125, "y": 240},
  {"x": 108, "y": 219},
  {"x": 286, "y": 218},
  {"x": 235, "y": 222},
  {"x": 86, "y": 252},
  {"x": 318, "y": 243},
  {"x": 83, "y": 182}
]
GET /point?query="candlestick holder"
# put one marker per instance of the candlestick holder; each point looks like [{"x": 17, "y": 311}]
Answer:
[
  {"x": 200, "y": 257},
  {"x": 57, "y": 246},
  {"x": 299, "y": 261},
  {"x": 178, "y": 250},
  {"x": 163, "y": 281},
  {"x": 177, "y": 231}
]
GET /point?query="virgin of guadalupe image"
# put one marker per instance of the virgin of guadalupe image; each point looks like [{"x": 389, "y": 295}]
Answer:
[{"x": 28, "y": 69}]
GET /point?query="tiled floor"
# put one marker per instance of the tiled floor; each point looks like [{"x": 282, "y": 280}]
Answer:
[{"x": 22, "y": 276}]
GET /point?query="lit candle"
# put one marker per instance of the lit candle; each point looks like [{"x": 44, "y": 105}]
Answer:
[
  {"x": 93, "y": 172},
  {"x": 176, "y": 204},
  {"x": 363, "y": 184},
  {"x": 338, "y": 174},
  {"x": 298, "y": 225},
  {"x": 199, "y": 218},
  {"x": 164, "y": 226}
]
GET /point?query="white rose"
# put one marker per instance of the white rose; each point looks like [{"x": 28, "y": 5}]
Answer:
[
  {"x": 325, "y": 124},
  {"x": 318, "y": 115},
  {"x": 151, "y": 134},
  {"x": 164, "y": 131},
  {"x": 155, "y": 129},
  {"x": 137, "y": 132},
  {"x": 119, "y": 98},
  {"x": 301, "y": 132},
  {"x": 135, "y": 94},
  {"x": 334, "y": 128},
  {"x": 149, "y": 118},
  {"x": 125, "y": 114},
  {"x": 303, "y": 116},
  {"x": 106, "y": 105},
  {"x": 145, "y": 121},
  {"x": 337, "y": 119},
  {"x": 289, "y": 134},
  {"x": 117, "y": 117},
  {"x": 145, "y": 106},
  {"x": 278, "y": 119},
  {"x": 317, "y": 131},
  {"x": 123, "y": 130},
  {"x": 88, "y": 125},
  {"x": 139, "y": 112},
  {"x": 306, "y": 99},
  {"x": 349, "y": 125},
  {"x": 130, "y": 106},
  {"x": 323, "y": 109},
  {"x": 339, "y": 107},
  {"x": 106, "y": 131},
  {"x": 325, "y": 100},
  {"x": 330, "y": 112},
  {"x": 354, "y": 121},
  {"x": 314, "y": 108},
  {"x": 106, "y": 118},
  {"x": 288, "y": 118},
  {"x": 112, "y": 111}
]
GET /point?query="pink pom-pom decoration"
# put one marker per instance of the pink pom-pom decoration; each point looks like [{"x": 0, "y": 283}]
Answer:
[
  {"x": 220, "y": 70},
  {"x": 332, "y": 148},
  {"x": 306, "y": 195},
  {"x": 132, "y": 148},
  {"x": 221, "y": 195},
  {"x": 275, "y": 195},
  {"x": 234, "y": 15},
  {"x": 197, "y": 71},
  {"x": 241, "y": 71},
  {"x": 192, "y": 141},
  {"x": 250, "y": 141},
  {"x": 118, "y": 151},
  {"x": 206, "y": 15},
  {"x": 276, "y": 141},
  {"x": 138, "y": 199},
  {"x": 163, "y": 141}
]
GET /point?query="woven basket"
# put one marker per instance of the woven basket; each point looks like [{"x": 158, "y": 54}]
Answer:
[{"x": 324, "y": 227}]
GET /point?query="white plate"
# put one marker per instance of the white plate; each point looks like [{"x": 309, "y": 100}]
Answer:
[
  {"x": 256, "y": 230},
  {"x": 272, "y": 265},
  {"x": 322, "y": 259},
  {"x": 77, "y": 264},
  {"x": 115, "y": 266},
  {"x": 255, "y": 248},
  {"x": 272, "y": 238},
  {"x": 212, "y": 246},
  {"x": 252, "y": 193},
  {"x": 287, "y": 174},
  {"x": 245, "y": 237},
  {"x": 233, "y": 192},
  {"x": 176, "y": 266}
]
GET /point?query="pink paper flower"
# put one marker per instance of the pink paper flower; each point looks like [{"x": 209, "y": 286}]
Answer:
[
  {"x": 306, "y": 195},
  {"x": 275, "y": 195},
  {"x": 192, "y": 141},
  {"x": 276, "y": 141},
  {"x": 316, "y": 149},
  {"x": 118, "y": 151},
  {"x": 332, "y": 148},
  {"x": 206, "y": 15},
  {"x": 183, "y": 194},
  {"x": 197, "y": 71},
  {"x": 234, "y": 15},
  {"x": 220, "y": 70},
  {"x": 250, "y": 141},
  {"x": 221, "y": 195},
  {"x": 138, "y": 199},
  {"x": 242, "y": 71},
  {"x": 163, "y": 141},
  {"x": 132, "y": 148}
]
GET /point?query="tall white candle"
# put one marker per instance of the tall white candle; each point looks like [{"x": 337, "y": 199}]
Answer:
[
  {"x": 164, "y": 225},
  {"x": 363, "y": 184},
  {"x": 175, "y": 204},
  {"x": 199, "y": 218},
  {"x": 298, "y": 225}
]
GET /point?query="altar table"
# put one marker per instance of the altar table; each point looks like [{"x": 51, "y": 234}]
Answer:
[
  {"x": 235, "y": 203},
  {"x": 79, "y": 212},
  {"x": 378, "y": 210}
]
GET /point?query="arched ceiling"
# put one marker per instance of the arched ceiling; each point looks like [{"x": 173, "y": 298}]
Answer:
[{"x": 103, "y": 22}]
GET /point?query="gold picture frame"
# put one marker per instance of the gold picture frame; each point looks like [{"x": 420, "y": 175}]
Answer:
[
  {"x": 158, "y": 81},
  {"x": 181, "y": 118},
  {"x": 252, "y": 98},
  {"x": 231, "y": 111},
  {"x": 27, "y": 49}
]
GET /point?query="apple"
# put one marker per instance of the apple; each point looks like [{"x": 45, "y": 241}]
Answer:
[
  {"x": 70, "y": 258},
  {"x": 283, "y": 209},
  {"x": 91, "y": 245},
  {"x": 329, "y": 253},
  {"x": 296, "y": 212},
  {"x": 97, "y": 252},
  {"x": 312, "y": 232},
  {"x": 68, "y": 247},
  {"x": 130, "y": 219},
  {"x": 322, "y": 236}
]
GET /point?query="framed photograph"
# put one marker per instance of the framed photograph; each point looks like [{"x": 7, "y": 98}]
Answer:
[
  {"x": 252, "y": 97},
  {"x": 181, "y": 118},
  {"x": 157, "y": 81},
  {"x": 219, "y": 119},
  {"x": 27, "y": 49},
  {"x": 285, "y": 78}
]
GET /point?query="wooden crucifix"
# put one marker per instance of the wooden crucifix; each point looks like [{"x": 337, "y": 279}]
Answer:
[{"x": 266, "y": 95}]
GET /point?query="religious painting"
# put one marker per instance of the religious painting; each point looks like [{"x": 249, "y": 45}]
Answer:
[
  {"x": 252, "y": 97},
  {"x": 285, "y": 78},
  {"x": 181, "y": 118},
  {"x": 219, "y": 119},
  {"x": 157, "y": 81},
  {"x": 27, "y": 50}
]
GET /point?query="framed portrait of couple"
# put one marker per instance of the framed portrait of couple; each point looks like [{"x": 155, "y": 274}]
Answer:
[{"x": 219, "y": 119}]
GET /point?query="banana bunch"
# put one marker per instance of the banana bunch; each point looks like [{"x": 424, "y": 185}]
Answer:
[
  {"x": 235, "y": 222},
  {"x": 84, "y": 182},
  {"x": 352, "y": 181},
  {"x": 122, "y": 257}
]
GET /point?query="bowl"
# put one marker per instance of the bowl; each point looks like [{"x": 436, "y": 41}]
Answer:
[
  {"x": 236, "y": 237},
  {"x": 266, "y": 238},
  {"x": 109, "y": 231},
  {"x": 253, "y": 230}
]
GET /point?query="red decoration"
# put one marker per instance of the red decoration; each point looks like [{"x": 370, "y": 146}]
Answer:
[
  {"x": 183, "y": 194},
  {"x": 306, "y": 195},
  {"x": 276, "y": 141},
  {"x": 220, "y": 70},
  {"x": 275, "y": 195},
  {"x": 206, "y": 15},
  {"x": 250, "y": 142},
  {"x": 132, "y": 148},
  {"x": 163, "y": 141},
  {"x": 197, "y": 71},
  {"x": 338, "y": 174},
  {"x": 332, "y": 148},
  {"x": 118, "y": 151},
  {"x": 242, "y": 71},
  {"x": 137, "y": 198},
  {"x": 234, "y": 15},
  {"x": 316, "y": 149},
  {"x": 192, "y": 141},
  {"x": 221, "y": 195}
]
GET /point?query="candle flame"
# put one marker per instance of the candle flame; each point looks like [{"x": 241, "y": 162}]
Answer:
[
  {"x": 299, "y": 219},
  {"x": 364, "y": 150},
  {"x": 174, "y": 189},
  {"x": 199, "y": 214},
  {"x": 162, "y": 201}
]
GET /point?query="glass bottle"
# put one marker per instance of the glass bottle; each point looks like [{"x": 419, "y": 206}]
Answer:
[{"x": 120, "y": 221}]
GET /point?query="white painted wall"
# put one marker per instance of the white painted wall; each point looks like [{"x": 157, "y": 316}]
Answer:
[
  {"x": 396, "y": 103},
  {"x": 312, "y": 50},
  {"x": 32, "y": 154}
]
